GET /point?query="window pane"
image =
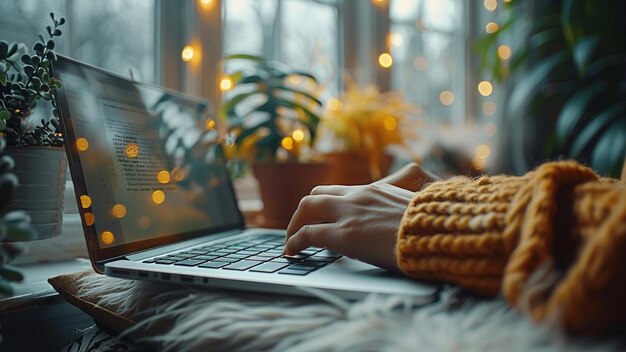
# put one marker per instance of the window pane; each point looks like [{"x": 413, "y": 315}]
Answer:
[{"x": 114, "y": 34}]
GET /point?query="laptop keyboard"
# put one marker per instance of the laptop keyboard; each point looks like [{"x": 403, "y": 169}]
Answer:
[{"x": 259, "y": 254}]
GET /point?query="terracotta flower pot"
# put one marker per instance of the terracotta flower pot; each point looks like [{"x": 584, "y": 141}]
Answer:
[
  {"x": 41, "y": 174},
  {"x": 352, "y": 168},
  {"x": 282, "y": 186}
]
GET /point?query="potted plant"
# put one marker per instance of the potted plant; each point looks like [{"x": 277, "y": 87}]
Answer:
[
  {"x": 273, "y": 121},
  {"x": 361, "y": 125},
  {"x": 34, "y": 142},
  {"x": 568, "y": 69}
]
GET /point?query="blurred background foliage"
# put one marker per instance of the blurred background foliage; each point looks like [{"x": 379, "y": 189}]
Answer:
[{"x": 567, "y": 79}]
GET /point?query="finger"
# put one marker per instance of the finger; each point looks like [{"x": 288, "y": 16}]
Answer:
[
  {"x": 318, "y": 235},
  {"x": 312, "y": 210},
  {"x": 331, "y": 190}
]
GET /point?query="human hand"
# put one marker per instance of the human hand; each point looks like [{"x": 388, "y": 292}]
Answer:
[{"x": 358, "y": 221}]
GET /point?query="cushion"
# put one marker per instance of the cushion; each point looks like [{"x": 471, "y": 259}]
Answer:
[{"x": 175, "y": 317}]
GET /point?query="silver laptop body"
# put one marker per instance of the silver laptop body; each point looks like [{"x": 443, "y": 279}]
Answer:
[{"x": 157, "y": 203}]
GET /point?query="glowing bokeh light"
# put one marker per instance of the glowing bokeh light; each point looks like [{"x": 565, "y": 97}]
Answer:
[
  {"x": 107, "y": 237},
  {"x": 158, "y": 197},
  {"x": 163, "y": 177},
  {"x": 385, "y": 60},
  {"x": 446, "y": 98},
  {"x": 82, "y": 144},
  {"x": 187, "y": 53},
  {"x": 485, "y": 88},
  {"x": 119, "y": 211},
  {"x": 85, "y": 201}
]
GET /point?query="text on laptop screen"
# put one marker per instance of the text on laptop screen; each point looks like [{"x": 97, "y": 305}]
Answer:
[{"x": 150, "y": 159}]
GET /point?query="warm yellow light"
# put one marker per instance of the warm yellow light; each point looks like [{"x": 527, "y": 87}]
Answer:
[
  {"x": 163, "y": 176},
  {"x": 420, "y": 62},
  {"x": 143, "y": 222},
  {"x": 226, "y": 84},
  {"x": 207, "y": 4},
  {"x": 489, "y": 108},
  {"x": 504, "y": 52},
  {"x": 187, "y": 53},
  {"x": 446, "y": 98},
  {"x": 490, "y": 129},
  {"x": 385, "y": 60},
  {"x": 492, "y": 27},
  {"x": 131, "y": 150},
  {"x": 107, "y": 237},
  {"x": 490, "y": 5},
  {"x": 287, "y": 143},
  {"x": 485, "y": 88},
  {"x": 82, "y": 144},
  {"x": 396, "y": 39},
  {"x": 478, "y": 164},
  {"x": 210, "y": 124},
  {"x": 334, "y": 104},
  {"x": 85, "y": 201},
  {"x": 297, "y": 135},
  {"x": 90, "y": 219},
  {"x": 482, "y": 151},
  {"x": 119, "y": 211},
  {"x": 379, "y": 2},
  {"x": 390, "y": 123},
  {"x": 507, "y": 1},
  {"x": 158, "y": 196}
]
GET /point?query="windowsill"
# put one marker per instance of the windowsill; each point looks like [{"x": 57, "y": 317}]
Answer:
[{"x": 35, "y": 290}]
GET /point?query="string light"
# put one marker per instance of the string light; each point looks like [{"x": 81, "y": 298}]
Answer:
[
  {"x": 334, "y": 104},
  {"x": 492, "y": 27},
  {"x": 297, "y": 135},
  {"x": 504, "y": 52},
  {"x": 485, "y": 88},
  {"x": 163, "y": 177},
  {"x": 85, "y": 201},
  {"x": 89, "y": 218},
  {"x": 207, "y": 4},
  {"x": 390, "y": 123},
  {"x": 294, "y": 79},
  {"x": 482, "y": 151},
  {"x": 107, "y": 237},
  {"x": 420, "y": 62},
  {"x": 396, "y": 39},
  {"x": 287, "y": 143},
  {"x": 446, "y": 98},
  {"x": 158, "y": 196},
  {"x": 490, "y": 5},
  {"x": 131, "y": 150},
  {"x": 82, "y": 144},
  {"x": 210, "y": 124},
  {"x": 489, "y": 108},
  {"x": 385, "y": 60},
  {"x": 119, "y": 211},
  {"x": 187, "y": 53},
  {"x": 226, "y": 84},
  {"x": 490, "y": 129}
]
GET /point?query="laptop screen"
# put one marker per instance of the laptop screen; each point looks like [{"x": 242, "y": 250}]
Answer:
[{"x": 146, "y": 162}]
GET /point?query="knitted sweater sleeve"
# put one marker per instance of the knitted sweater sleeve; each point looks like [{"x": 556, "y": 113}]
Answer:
[{"x": 551, "y": 241}]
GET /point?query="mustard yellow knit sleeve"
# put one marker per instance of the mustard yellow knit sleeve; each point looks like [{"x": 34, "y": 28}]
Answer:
[
  {"x": 453, "y": 230},
  {"x": 552, "y": 242}
]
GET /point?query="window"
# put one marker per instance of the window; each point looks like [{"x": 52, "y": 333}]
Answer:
[
  {"x": 301, "y": 33},
  {"x": 117, "y": 35}
]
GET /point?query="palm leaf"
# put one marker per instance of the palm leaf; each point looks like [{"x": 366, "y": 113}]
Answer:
[
  {"x": 595, "y": 126},
  {"x": 608, "y": 154},
  {"x": 574, "y": 109}
]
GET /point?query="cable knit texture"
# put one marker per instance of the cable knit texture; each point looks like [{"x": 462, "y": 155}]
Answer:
[{"x": 552, "y": 242}]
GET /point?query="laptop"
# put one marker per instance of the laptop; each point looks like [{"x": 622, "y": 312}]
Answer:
[{"x": 157, "y": 203}]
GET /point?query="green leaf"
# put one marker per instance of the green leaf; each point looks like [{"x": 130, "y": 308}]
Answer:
[
  {"x": 597, "y": 124},
  {"x": 298, "y": 91},
  {"x": 57, "y": 84},
  {"x": 250, "y": 79},
  {"x": 574, "y": 109},
  {"x": 11, "y": 273},
  {"x": 5, "y": 288},
  {"x": 245, "y": 57},
  {"x": 584, "y": 50},
  {"x": 228, "y": 107},
  {"x": 529, "y": 85},
  {"x": 4, "y": 115},
  {"x": 609, "y": 153}
]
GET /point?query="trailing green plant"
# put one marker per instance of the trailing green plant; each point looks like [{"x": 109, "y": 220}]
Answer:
[
  {"x": 569, "y": 71},
  {"x": 25, "y": 79},
  {"x": 14, "y": 225},
  {"x": 266, "y": 109}
]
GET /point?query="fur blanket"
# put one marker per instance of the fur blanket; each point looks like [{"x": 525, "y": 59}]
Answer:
[{"x": 187, "y": 319}]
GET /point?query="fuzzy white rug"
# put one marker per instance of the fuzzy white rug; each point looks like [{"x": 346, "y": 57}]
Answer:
[{"x": 238, "y": 321}]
